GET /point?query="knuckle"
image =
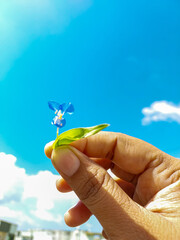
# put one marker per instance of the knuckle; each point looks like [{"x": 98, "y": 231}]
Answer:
[{"x": 91, "y": 189}]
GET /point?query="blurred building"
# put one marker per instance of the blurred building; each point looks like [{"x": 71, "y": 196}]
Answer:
[
  {"x": 57, "y": 235},
  {"x": 7, "y": 230}
]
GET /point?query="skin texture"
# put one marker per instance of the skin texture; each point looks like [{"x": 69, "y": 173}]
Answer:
[{"x": 143, "y": 202}]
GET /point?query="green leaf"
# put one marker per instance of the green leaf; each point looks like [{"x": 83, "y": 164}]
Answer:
[{"x": 74, "y": 134}]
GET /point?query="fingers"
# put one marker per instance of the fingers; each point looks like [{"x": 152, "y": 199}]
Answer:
[
  {"x": 103, "y": 162},
  {"x": 103, "y": 197},
  {"x": 167, "y": 202},
  {"x": 134, "y": 161},
  {"x": 132, "y": 155},
  {"x": 128, "y": 177},
  {"x": 128, "y": 188},
  {"x": 63, "y": 186},
  {"x": 48, "y": 149},
  {"x": 77, "y": 215}
]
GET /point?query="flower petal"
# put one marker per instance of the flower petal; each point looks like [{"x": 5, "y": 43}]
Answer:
[
  {"x": 59, "y": 122},
  {"x": 69, "y": 108},
  {"x": 55, "y": 106}
]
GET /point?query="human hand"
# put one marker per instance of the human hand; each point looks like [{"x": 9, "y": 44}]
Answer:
[{"x": 143, "y": 203}]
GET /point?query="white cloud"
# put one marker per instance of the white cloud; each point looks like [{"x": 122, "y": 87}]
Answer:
[
  {"x": 13, "y": 215},
  {"x": 11, "y": 177},
  {"x": 30, "y": 200},
  {"x": 21, "y": 21},
  {"x": 161, "y": 111},
  {"x": 47, "y": 216}
]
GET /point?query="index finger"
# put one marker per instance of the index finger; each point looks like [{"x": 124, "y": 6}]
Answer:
[{"x": 130, "y": 154}]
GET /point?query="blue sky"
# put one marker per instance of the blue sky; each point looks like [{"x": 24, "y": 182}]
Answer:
[{"x": 117, "y": 62}]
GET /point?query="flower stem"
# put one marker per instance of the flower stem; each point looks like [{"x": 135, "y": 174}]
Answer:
[{"x": 57, "y": 132}]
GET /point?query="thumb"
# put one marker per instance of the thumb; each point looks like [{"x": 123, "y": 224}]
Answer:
[{"x": 118, "y": 214}]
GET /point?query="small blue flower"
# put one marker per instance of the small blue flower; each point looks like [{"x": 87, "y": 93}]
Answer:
[{"x": 60, "y": 110}]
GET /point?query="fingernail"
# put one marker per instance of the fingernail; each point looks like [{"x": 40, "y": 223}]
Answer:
[
  {"x": 48, "y": 149},
  {"x": 65, "y": 161}
]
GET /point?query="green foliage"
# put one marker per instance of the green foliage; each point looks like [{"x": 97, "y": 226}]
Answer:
[{"x": 72, "y": 135}]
